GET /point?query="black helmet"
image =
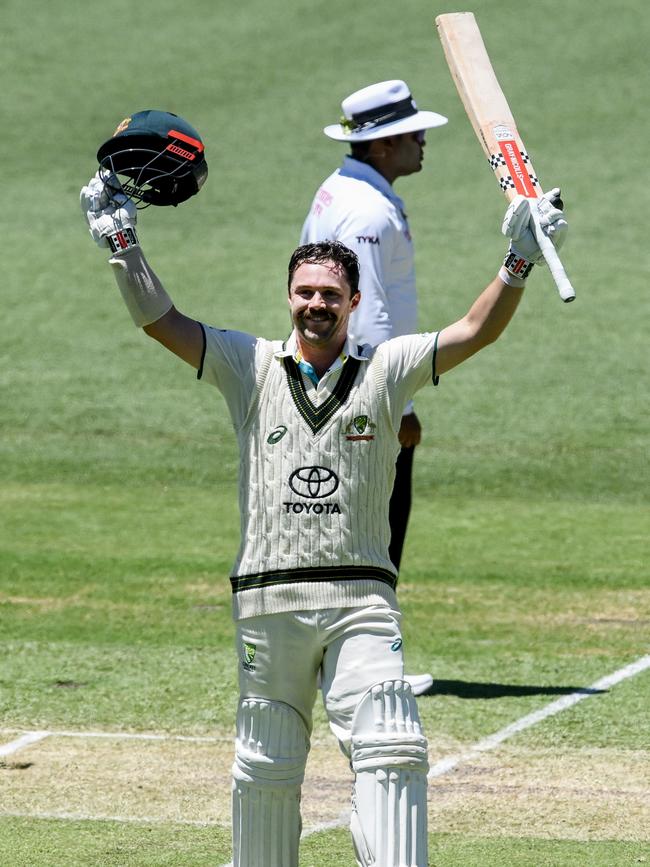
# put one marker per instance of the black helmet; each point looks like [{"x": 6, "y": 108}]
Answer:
[{"x": 158, "y": 158}]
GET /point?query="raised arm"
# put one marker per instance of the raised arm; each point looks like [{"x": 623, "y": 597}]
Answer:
[
  {"x": 112, "y": 226},
  {"x": 495, "y": 306},
  {"x": 181, "y": 334},
  {"x": 482, "y": 324}
]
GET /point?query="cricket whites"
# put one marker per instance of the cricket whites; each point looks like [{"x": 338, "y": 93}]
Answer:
[{"x": 494, "y": 125}]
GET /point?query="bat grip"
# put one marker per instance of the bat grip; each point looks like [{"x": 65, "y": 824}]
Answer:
[{"x": 555, "y": 266}]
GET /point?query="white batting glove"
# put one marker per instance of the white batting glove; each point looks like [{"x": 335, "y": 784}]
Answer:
[
  {"x": 518, "y": 225},
  {"x": 111, "y": 216}
]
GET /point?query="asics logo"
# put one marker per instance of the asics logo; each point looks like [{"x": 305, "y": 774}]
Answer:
[{"x": 276, "y": 435}]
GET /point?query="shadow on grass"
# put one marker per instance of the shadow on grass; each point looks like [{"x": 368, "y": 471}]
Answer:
[{"x": 467, "y": 689}]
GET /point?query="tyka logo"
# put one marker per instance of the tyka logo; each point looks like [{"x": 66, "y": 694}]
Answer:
[
  {"x": 313, "y": 482},
  {"x": 276, "y": 435}
]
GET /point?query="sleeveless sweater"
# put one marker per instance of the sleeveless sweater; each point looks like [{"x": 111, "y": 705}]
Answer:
[{"x": 314, "y": 478}]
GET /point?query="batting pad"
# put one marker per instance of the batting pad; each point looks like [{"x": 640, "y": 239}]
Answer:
[
  {"x": 270, "y": 757},
  {"x": 389, "y": 758}
]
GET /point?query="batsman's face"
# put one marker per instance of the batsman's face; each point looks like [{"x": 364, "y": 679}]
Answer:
[{"x": 320, "y": 303}]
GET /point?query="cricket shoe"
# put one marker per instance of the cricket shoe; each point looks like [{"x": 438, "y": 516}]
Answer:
[{"x": 420, "y": 683}]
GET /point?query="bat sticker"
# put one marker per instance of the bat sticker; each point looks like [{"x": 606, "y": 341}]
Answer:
[{"x": 515, "y": 159}]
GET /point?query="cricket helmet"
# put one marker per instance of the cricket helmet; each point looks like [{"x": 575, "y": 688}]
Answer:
[{"x": 154, "y": 157}]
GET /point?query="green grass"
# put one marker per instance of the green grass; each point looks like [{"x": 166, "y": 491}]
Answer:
[
  {"x": 113, "y": 845},
  {"x": 525, "y": 571},
  {"x": 26, "y": 843}
]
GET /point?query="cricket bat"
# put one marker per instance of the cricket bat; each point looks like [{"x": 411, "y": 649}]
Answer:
[{"x": 494, "y": 125}]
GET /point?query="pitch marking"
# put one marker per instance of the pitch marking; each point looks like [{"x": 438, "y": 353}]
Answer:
[
  {"x": 30, "y": 737},
  {"x": 440, "y": 768},
  {"x": 567, "y": 701},
  {"x": 24, "y": 741},
  {"x": 133, "y": 820}
]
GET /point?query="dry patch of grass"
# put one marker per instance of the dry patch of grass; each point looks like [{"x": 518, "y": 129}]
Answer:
[
  {"x": 176, "y": 781},
  {"x": 47, "y": 603},
  {"x": 599, "y": 607},
  {"x": 88, "y": 777},
  {"x": 590, "y": 794},
  {"x": 583, "y": 794}
]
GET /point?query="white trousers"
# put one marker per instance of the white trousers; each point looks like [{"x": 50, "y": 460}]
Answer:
[{"x": 281, "y": 655}]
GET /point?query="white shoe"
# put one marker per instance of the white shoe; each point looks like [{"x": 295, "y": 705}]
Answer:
[{"x": 420, "y": 683}]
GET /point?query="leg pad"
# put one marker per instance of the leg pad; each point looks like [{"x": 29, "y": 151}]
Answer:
[
  {"x": 389, "y": 758},
  {"x": 270, "y": 757}
]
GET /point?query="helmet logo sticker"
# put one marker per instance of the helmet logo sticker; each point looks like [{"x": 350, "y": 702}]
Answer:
[{"x": 122, "y": 126}]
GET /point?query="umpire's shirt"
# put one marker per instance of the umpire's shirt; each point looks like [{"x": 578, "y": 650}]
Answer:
[{"x": 358, "y": 207}]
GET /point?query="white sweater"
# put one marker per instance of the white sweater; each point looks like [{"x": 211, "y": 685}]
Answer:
[{"x": 316, "y": 468}]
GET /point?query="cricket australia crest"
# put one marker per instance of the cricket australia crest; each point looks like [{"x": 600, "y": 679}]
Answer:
[
  {"x": 360, "y": 428},
  {"x": 248, "y": 657}
]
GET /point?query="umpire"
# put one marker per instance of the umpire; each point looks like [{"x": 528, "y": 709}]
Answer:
[{"x": 358, "y": 206}]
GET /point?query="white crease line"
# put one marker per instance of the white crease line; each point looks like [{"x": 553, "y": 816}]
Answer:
[
  {"x": 134, "y": 820},
  {"x": 567, "y": 701},
  {"x": 24, "y": 741},
  {"x": 440, "y": 768},
  {"x": 139, "y": 736}
]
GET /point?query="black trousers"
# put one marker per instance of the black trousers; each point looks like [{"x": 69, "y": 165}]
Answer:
[{"x": 400, "y": 504}]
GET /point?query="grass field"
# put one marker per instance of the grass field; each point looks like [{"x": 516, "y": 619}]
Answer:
[{"x": 525, "y": 576}]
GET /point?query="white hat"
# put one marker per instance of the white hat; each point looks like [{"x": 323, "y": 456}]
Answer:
[{"x": 380, "y": 110}]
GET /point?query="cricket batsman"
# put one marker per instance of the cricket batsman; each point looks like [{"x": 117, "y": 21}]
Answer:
[{"x": 313, "y": 588}]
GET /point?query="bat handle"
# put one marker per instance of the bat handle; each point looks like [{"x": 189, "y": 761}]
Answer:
[{"x": 555, "y": 266}]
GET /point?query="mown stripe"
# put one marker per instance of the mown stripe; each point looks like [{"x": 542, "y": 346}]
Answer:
[{"x": 322, "y": 573}]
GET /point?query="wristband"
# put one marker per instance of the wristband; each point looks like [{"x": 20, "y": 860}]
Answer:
[
  {"x": 510, "y": 279},
  {"x": 142, "y": 291},
  {"x": 517, "y": 265},
  {"x": 122, "y": 240}
]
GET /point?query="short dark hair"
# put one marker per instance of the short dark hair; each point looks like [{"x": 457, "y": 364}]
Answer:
[
  {"x": 360, "y": 150},
  {"x": 327, "y": 251}
]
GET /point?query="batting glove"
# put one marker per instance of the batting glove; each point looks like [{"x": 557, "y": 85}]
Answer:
[
  {"x": 519, "y": 226},
  {"x": 111, "y": 215}
]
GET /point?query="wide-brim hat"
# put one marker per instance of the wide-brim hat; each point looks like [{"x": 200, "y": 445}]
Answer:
[{"x": 380, "y": 110}]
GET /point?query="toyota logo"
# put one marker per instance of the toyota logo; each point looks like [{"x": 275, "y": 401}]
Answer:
[{"x": 313, "y": 482}]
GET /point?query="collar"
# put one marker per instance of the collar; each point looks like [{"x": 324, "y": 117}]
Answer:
[
  {"x": 290, "y": 347},
  {"x": 361, "y": 171}
]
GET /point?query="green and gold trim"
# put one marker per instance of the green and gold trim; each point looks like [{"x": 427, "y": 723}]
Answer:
[
  {"x": 318, "y": 416},
  {"x": 320, "y": 573}
]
